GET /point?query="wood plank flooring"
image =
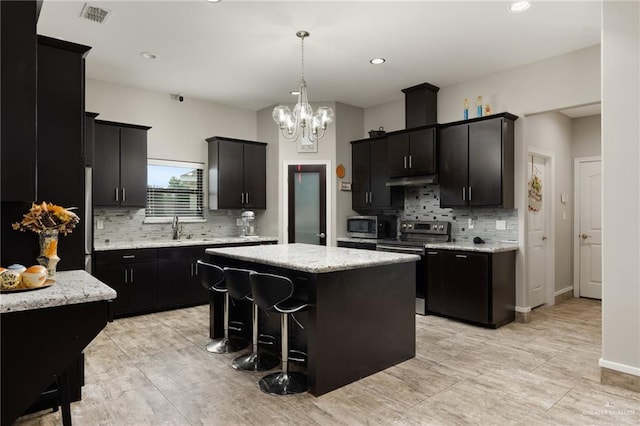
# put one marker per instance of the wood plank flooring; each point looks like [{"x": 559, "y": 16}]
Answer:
[{"x": 153, "y": 370}]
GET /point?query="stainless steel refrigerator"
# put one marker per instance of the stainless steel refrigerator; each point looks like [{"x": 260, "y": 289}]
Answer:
[{"x": 88, "y": 222}]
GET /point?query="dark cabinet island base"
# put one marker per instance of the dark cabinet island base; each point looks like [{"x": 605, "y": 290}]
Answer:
[{"x": 363, "y": 320}]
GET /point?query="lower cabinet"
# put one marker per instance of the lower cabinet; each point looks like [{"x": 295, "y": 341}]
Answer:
[
  {"x": 471, "y": 286},
  {"x": 353, "y": 244},
  {"x": 133, "y": 275},
  {"x": 149, "y": 280},
  {"x": 178, "y": 281}
]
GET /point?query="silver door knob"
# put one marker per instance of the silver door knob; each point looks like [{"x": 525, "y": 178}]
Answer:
[
  {"x": 584, "y": 236},
  {"x": 321, "y": 235}
]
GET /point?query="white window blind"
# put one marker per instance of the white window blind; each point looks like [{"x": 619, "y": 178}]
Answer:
[{"x": 174, "y": 188}]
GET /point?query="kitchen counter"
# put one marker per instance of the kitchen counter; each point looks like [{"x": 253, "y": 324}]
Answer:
[
  {"x": 363, "y": 316},
  {"x": 312, "y": 258},
  {"x": 488, "y": 247},
  {"x": 43, "y": 333},
  {"x": 71, "y": 287},
  {"x": 185, "y": 242}
]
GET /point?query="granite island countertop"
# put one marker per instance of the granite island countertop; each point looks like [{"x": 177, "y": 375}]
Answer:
[
  {"x": 312, "y": 258},
  {"x": 70, "y": 287},
  {"x": 185, "y": 242}
]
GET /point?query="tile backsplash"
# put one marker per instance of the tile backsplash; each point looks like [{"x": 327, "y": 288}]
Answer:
[
  {"x": 423, "y": 203},
  {"x": 123, "y": 224}
]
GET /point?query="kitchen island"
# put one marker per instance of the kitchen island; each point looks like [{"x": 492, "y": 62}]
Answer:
[
  {"x": 43, "y": 334},
  {"x": 363, "y": 317}
]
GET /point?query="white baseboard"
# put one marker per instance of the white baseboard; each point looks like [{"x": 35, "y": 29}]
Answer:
[
  {"x": 523, "y": 309},
  {"x": 563, "y": 291},
  {"x": 635, "y": 371}
]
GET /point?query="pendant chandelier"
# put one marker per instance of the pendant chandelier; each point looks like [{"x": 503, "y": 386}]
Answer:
[{"x": 303, "y": 122}]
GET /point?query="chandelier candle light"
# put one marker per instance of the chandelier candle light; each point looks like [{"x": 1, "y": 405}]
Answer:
[{"x": 303, "y": 122}]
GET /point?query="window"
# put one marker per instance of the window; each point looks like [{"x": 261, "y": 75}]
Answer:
[{"x": 174, "y": 188}]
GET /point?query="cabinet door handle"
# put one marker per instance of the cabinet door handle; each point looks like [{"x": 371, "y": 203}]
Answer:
[
  {"x": 405, "y": 161},
  {"x": 469, "y": 193},
  {"x": 246, "y": 198},
  {"x": 409, "y": 161},
  {"x": 370, "y": 197},
  {"x": 242, "y": 198},
  {"x": 124, "y": 194},
  {"x": 463, "y": 194},
  {"x": 131, "y": 275},
  {"x": 462, "y": 256},
  {"x": 129, "y": 256},
  {"x": 196, "y": 263},
  {"x": 191, "y": 269},
  {"x": 117, "y": 194},
  {"x": 125, "y": 277},
  {"x": 432, "y": 252}
]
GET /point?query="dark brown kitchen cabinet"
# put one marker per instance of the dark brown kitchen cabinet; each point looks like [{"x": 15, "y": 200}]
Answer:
[
  {"x": 18, "y": 84},
  {"x": 178, "y": 281},
  {"x": 420, "y": 105},
  {"x": 133, "y": 275},
  {"x": 357, "y": 245},
  {"x": 370, "y": 176},
  {"x": 237, "y": 174},
  {"x": 89, "y": 137},
  {"x": 412, "y": 153},
  {"x": 120, "y": 174},
  {"x": 475, "y": 287},
  {"x": 476, "y": 164}
]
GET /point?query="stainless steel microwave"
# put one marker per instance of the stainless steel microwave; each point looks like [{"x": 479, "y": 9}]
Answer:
[{"x": 371, "y": 226}]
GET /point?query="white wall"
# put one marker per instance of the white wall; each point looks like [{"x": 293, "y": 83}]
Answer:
[
  {"x": 586, "y": 136},
  {"x": 389, "y": 115},
  {"x": 621, "y": 186},
  {"x": 178, "y": 129},
  {"x": 551, "y": 133},
  {"x": 268, "y": 221}
]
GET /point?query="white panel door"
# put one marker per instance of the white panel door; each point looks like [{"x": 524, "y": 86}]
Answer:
[
  {"x": 537, "y": 277},
  {"x": 590, "y": 230}
]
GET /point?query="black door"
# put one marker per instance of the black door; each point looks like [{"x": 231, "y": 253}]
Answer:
[
  {"x": 398, "y": 152},
  {"x": 380, "y": 193},
  {"x": 465, "y": 287},
  {"x": 360, "y": 175},
  {"x": 422, "y": 154},
  {"x": 133, "y": 167},
  {"x": 230, "y": 175},
  {"x": 255, "y": 170},
  {"x": 485, "y": 163},
  {"x": 307, "y": 204},
  {"x": 106, "y": 168}
]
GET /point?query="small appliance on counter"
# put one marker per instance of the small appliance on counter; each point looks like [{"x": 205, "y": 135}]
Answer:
[
  {"x": 374, "y": 227},
  {"x": 248, "y": 228}
]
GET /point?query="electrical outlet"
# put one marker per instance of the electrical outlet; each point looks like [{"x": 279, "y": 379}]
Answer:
[
  {"x": 472, "y": 223},
  {"x": 501, "y": 225},
  {"x": 100, "y": 223}
]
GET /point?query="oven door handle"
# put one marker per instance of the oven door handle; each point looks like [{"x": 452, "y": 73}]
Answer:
[{"x": 395, "y": 249}]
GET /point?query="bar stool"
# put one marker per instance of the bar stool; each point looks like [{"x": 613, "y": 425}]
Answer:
[
  {"x": 212, "y": 278},
  {"x": 274, "y": 293},
  {"x": 239, "y": 286}
]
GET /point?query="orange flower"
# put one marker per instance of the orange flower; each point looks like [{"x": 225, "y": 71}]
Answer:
[{"x": 47, "y": 216}]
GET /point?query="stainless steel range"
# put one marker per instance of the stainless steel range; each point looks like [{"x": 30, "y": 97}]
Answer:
[{"x": 413, "y": 237}]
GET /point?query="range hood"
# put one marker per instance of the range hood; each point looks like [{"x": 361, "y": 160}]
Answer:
[{"x": 414, "y": 180}]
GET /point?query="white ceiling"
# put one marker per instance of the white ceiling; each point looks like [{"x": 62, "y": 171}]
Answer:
[{"x": 245, "y": 53}]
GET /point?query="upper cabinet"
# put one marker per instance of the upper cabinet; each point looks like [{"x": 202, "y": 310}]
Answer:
[
  {"x": 421, "y": 105},
  {"x": 476, "y": 165},
  {"x": 237, "y": 174},
  {"x": 412, "y": 153},
  {"x": 370, "y": 176},
  {"x": 120, "y": 167}
]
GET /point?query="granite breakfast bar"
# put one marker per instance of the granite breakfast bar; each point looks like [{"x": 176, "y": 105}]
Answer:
[
  {"x": 363, "y": 319},
  {"x": 43, "y": 334}
]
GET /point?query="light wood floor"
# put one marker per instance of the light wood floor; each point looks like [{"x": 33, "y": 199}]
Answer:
[{"x": 153, "y": 369}]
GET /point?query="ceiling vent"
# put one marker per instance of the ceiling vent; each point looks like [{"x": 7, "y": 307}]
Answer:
[{"x": 95, "y": 14}]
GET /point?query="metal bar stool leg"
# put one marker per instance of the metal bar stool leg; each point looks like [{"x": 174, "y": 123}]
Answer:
[
  {"x": 284, "y": 382},
  {"x": 226, "y": 344},
  {"x": 255, "y": 361}
]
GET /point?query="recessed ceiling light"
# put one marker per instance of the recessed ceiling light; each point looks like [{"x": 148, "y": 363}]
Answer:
[
  {"x": 519, "y": 6},
  {"x": 378, "y": 61},
  {"x": 148, "y": 55},
  {"x": 213, "y": 1},
  {"x": 294, "y": 92}
]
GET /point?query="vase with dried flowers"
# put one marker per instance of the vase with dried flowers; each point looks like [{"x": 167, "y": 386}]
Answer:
[{"x": 48, "y": 221}]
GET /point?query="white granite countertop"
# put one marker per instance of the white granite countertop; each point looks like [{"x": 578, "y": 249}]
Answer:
[
  {"x": 313, "y": 258},
  {"x": 185, "y": 242},
  {"x": 70, "y": 287},
  {"x": 488, "y": 247},
  {"x": 357, "y": 240}
]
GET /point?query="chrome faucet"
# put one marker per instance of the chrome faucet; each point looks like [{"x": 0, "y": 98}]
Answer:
[{"x": 176, "y": 227}]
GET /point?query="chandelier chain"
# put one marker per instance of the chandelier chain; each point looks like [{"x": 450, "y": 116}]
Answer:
[{"x": 302, "y": 57}]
